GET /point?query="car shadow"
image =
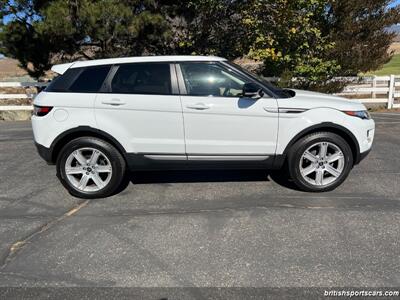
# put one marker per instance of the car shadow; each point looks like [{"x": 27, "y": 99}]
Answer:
[{"x": 192, "y": 176}]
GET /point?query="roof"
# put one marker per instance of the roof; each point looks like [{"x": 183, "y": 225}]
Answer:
[{"x": 60, "y": 69}]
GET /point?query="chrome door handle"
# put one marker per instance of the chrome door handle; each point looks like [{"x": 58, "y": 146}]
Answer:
[
  {"x": 198, "y": 106},
  {"x": 114, "y": 102}
]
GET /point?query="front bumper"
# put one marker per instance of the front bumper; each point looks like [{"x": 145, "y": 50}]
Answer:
[{"x": 362, "y": 156}]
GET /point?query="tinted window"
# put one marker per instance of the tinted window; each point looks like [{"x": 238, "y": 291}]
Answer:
[
  {"x": 62, "y": 82},
  {"x": 209, "y": 79},
  {"x": 284, "y": 93},
  {"x": 90, "y": 80},
  {"x": 142, "y": 79}
]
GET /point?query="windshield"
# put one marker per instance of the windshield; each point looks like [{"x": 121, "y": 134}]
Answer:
[{"x": 276, "y": 90}]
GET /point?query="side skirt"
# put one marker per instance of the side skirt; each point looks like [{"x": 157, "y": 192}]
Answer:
[{"x": 151, "y": 161}]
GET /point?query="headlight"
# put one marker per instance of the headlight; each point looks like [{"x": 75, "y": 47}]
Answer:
[{"x": 362, "y": 114}]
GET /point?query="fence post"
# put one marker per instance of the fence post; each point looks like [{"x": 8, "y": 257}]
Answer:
[
  {"x": 391, "y": 92},
  {"x": 373, "y": 94}
]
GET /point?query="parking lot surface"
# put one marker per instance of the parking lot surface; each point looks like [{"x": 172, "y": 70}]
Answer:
[{"x": 200, "y": 228}]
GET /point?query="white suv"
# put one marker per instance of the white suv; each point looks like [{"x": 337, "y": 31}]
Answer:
[{"x": 100, "y": 118}]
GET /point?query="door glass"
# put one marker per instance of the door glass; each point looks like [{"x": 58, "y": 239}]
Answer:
[
  {"x": 209, "y": 79},
  {"x": 142, "y": 79},
  {"x": 90, "y": 80},
  {"x": 62, "y": 82}
]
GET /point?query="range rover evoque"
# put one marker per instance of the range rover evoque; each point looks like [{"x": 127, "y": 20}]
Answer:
[{"x": 99, "y": 119}]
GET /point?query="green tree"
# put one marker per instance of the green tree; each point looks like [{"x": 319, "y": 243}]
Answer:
[
  {"x": 20, "y": 40},
  {"x": 359, "y": 29},
  {"x": 210, "y": 27},
  {"x": 105, "y": 28},
  {"x": 312, "y": 39},
  {"x": 45, "y": 32},
  {"x": 287, "y": 38}
]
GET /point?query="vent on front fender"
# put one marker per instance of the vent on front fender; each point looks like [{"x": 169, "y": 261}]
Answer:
[{"x": 291, "y": 110}]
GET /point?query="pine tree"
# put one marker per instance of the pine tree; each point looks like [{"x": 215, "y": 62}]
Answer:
[
  {"x": 316, "y": 39},
  {"x": 41, "y": 33},
  {"x": 360, "y": 31}
]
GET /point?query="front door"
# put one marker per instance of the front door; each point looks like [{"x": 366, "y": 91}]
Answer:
[{"x": 219, "y": 123}]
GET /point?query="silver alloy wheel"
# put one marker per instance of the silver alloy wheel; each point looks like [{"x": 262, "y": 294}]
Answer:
[
  {"x": 322, "y": 164},
  {"x": 88, "y": 169}
]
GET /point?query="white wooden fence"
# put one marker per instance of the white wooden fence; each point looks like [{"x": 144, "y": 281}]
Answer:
[
  {"x": 376, "y": 89},
  {"x": 369, "y": 89},
  {"x": 6, "y": 98}
]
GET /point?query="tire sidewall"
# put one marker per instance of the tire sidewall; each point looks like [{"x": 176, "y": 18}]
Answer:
[
  {"x": 118, "y": 168},
  {"x": 303, "y": 145}
]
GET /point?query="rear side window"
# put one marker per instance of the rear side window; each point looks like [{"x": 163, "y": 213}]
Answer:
[
  {"x": 142, "y": 79},
  {"x": 62, "y": 82},
  {"x": 79, "y": 80},
  {"x": 90, "y": 80}
]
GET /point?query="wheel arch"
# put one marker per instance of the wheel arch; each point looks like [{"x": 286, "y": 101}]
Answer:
[
  {"x": 81, "y": 131},
  {"x": 343, "y": 132}
]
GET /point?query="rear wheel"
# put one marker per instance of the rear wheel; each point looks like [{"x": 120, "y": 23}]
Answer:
[
  {"x": 90, "y": 168},
  {"x": 320, "y": 162}
]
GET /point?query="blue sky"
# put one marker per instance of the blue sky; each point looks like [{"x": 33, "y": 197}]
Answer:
[
  {"x": 396, "y": 2},
  {"x": 6, "y": 19}
]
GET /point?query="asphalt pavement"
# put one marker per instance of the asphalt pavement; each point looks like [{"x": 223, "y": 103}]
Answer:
[{"x": 200, "y": 228}]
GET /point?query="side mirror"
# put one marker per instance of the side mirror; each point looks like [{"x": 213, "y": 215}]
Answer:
[{"x": 252, "y": 90}]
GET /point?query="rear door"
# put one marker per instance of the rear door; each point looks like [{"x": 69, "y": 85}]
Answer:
[
  {"x": 219, "y": 123},
  {"x": 140, "y": 107}
]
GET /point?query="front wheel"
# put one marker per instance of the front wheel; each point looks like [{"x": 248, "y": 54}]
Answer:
[
  {"x": 320, "y": 162},
  {"x": 90, "y": 168}
]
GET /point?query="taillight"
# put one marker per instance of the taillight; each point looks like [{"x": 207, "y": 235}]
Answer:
[{"x": 41, "y": 111}]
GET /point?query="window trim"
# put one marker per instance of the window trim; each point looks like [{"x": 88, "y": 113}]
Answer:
[
  {"x": 178, "y": 87},
  {"x": 106, "y": 87},
  {"x": 181, "y": 81},
  {"x": 174, "y": 79},
  {"x": 184, "y": 92}
]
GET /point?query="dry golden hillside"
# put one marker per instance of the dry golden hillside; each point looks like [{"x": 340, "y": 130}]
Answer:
[
  {"x": 9, "y": 68},
  {"x": 395, "y": 47}
]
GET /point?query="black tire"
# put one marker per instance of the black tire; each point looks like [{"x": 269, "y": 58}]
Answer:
[
  {"x": 296, "y": 152},
  {"x": 115, "y": 158}
]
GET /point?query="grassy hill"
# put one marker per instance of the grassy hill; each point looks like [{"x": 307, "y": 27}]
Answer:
[{"x": 392, "y": 67}]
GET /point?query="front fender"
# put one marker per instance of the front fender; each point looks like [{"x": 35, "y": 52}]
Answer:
[{"x": 293, "y": 126}]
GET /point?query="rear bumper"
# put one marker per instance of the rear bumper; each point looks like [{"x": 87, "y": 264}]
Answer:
[{"x": 44, "y": 153}]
